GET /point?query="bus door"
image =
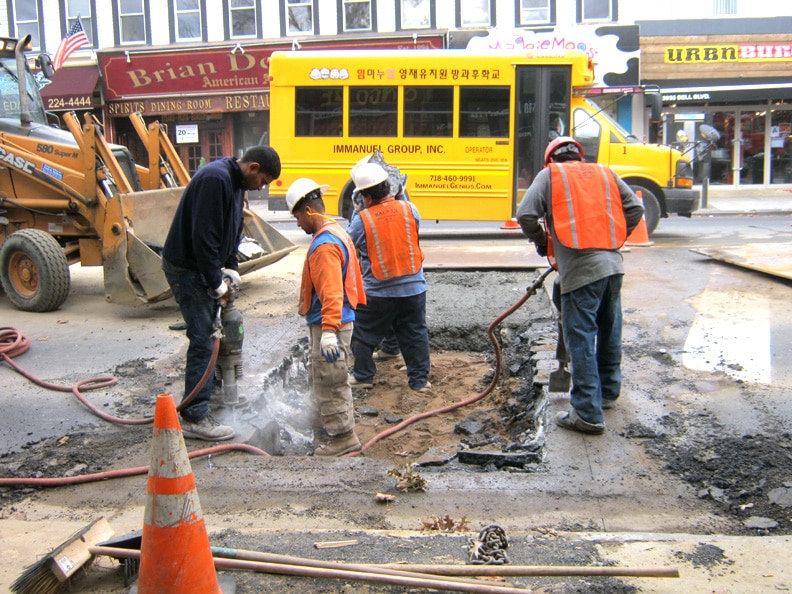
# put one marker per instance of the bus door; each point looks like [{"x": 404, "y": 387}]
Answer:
[{"x": 542, "y": 96}]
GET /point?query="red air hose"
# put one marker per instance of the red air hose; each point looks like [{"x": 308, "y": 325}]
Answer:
[{"x": 13, "y": 343}]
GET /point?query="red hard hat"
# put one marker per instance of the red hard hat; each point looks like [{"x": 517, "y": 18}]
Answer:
[{"x": 558, "y": 143}]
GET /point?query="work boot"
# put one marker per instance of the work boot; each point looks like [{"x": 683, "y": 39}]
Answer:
[
  {"x": 382, "y": 355},
  {"x": 356, "y": 383},
  {"x": 340, "y": 445},
  {"x": 571, "y": 420},
  {"x": 425, "y": 389},
  {"x": 207, "y": 429}
]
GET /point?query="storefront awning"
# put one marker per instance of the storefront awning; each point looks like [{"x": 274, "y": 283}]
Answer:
[{"x": 71, "y": 88}]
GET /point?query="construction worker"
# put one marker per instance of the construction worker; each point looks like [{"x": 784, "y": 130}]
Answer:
[
  {"x": 389, "y": 346},
  {"x": 200, "y": 263},
  {"x": 589, "y": 212},
  {"x": 331, "y": 289},
  {"x": 386, "y": 235}
]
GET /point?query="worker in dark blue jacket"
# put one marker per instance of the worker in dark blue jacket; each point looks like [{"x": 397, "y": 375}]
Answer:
[{"x": 200, "y": 262}]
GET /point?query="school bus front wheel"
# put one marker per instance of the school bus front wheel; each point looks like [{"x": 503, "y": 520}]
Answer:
[{"x": 651, "y": 207}]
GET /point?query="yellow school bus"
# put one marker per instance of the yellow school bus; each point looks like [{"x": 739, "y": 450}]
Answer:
[{"x": 469, "y": 130}]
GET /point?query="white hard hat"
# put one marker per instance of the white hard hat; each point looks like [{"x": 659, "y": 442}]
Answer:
[
  {"x": 298, "y": 190},
  {"x": 367, "y": 175},
  {"x": 363, "y": 161}
]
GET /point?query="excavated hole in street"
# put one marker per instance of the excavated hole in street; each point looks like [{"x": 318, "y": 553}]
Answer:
[{"x": 505, "y": 429}]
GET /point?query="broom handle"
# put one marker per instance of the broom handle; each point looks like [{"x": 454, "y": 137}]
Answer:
[
  {"x": 334, "y": 570},
  {"x": 445, "y": 570}
]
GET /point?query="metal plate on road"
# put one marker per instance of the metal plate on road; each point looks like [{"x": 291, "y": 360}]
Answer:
[{"x": 770, "y": 258}]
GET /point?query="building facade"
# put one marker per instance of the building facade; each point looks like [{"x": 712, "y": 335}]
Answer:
[{"x": 200, "y": 66}]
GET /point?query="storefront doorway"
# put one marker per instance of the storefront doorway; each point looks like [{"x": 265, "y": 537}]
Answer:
[{"x": 738, "y": 156}]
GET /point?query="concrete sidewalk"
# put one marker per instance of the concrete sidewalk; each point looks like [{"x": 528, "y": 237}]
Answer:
[{"x": 727, "y": 199}]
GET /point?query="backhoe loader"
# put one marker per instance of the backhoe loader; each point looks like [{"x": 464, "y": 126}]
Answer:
[{"x": 68, "y": 196}]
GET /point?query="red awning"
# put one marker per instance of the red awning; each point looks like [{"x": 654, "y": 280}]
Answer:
[{"x": 71, "y": 88}]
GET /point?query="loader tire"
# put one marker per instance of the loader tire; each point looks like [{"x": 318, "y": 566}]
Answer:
[{"x": 34, "y": 271}]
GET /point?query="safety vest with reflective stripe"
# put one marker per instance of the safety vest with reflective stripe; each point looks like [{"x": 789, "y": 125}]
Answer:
[
  {"x": 392, "y": 239},
  {"x": 353, "y": 278},
  {"x": 587, "y": 209}
]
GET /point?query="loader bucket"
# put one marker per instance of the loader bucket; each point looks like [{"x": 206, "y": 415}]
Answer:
[{"x": 135, "y": 229}]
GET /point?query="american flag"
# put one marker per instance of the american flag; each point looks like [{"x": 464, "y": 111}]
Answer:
[{"x": 73, "y": 41}]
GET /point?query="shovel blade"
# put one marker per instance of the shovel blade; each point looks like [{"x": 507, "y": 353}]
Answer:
[{"x": 560, "y": 379}]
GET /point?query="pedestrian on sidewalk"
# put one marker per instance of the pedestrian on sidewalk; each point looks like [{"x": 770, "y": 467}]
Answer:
[
  {"x": 200, "y": 263},
  {"x": 386, "y": 235},
  {"x": 589, "y": 212},
  {"x": 331, "y": 289}
]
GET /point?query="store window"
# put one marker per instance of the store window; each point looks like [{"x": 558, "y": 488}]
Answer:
[
  {"x": 415, "y": 14},
  {"x": 781, "y": 147},
  {"x": 300, "y": 17},
  {"x": 721, "y": 170},
  {"x": 243, "y": 18},
  {"x": 187, "y": 20},
  {"x": 356, "y": 15},
  {"x": 724, "y": 7},
  {"x": 596, "y": 10},
  {"x": 533, "y": 12},
  {"x": 83, "y": 10},
  {"x": 475, "y": 13},
  {"x": 27, "y": 21},
  {"x": 132, "y": 21}
]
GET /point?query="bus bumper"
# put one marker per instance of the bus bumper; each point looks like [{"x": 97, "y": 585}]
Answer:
[{"x": 681, "y": 201}]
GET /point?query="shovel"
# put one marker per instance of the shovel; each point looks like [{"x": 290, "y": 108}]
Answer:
[{"x": 560, "y": 379}]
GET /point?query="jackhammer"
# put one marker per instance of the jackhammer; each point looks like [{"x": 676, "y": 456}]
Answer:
[{"x": 228, "y": 324}]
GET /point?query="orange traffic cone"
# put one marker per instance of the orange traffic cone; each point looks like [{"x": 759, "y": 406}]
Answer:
[
  {"x": 175, "y": 555},
  {"x": 639, "y": 237},
  {"x": 510, "y": 224}
]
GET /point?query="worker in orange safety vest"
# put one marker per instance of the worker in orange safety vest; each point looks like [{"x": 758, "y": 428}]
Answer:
[
  {"x": 589, "y": 212},
  {"x": 331, "y": 290},
  {"x": 386, "y": 235}
]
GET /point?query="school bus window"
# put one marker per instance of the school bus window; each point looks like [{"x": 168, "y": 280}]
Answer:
[
  {"x": 484, "y": 112},
  {"x": 372, "y": 111},
  {"x": 318, "y": 111},
  {"x": 587, "y": 132},
  {"x": 428, "y": 111}
]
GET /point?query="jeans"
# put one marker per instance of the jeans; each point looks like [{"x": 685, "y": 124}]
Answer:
[
  {"x": 198, "y": 310},
  {"x": 404, "y": 316},
  {"x": 389, "y": 344},
  {"x": 592, "y": 321}
]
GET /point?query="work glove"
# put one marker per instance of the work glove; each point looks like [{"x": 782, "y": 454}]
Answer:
[
  {"x": 329, "y": 346},
  {"x": 541, "y": 250},
  {"x": 233, "y": 275},
  {"x": 225, "y": 293},
  {"x": 220, "y": 291},
  {"x": 357, "y": 201}
]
